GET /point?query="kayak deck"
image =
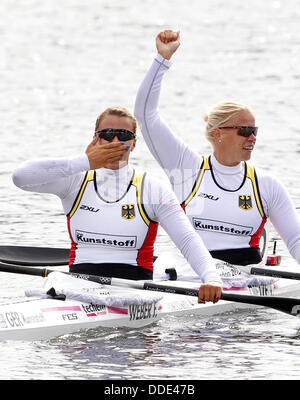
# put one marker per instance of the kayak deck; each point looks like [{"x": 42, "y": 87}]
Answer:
[{"x": 40, "y": 319}]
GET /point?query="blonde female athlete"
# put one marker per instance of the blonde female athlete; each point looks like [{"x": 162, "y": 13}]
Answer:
[
  {"x": 226, "y": 199},
  {"x": 113, "y": 211}
]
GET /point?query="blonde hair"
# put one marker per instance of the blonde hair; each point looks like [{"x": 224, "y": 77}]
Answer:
[
  {"x": 119, "y": 112},
  {"x": 220, "y": 114}
]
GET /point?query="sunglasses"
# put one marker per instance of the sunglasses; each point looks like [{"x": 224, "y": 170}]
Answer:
[
  {"x": 245, "y": 131},
  {"x": 122, "y": 134}
]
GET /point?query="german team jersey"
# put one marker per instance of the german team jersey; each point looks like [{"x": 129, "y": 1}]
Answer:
[
  {"x": 226, "y": 219},
  {"x": 111, "y": 232}
]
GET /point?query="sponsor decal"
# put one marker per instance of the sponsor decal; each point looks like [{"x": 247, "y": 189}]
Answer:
[
  {"x": 16, "y": 319},
  {"x": 202, "y": 224},
  {"x": 102, "y": 239},
  {"x": 33, "y": 319},
  {"x": 128, "y": 211},
  {"x": 208, "y": 196},
  {"x": 180, "y": 305},
  {"x": 69, "y": 317},
  {"x": 145, "y": 311},
  {"x": 93, "y": 310},
  {"x": 227, "y": 271},
  {"x": 245, "y": 202},
  {"x": 262, "y": 290},
  {"x": 87, "y": 208}
]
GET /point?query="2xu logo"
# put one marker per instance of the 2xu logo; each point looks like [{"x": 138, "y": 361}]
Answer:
[
  {"x": 208, "y": 196},
  {"x": 87, "y": 208}
]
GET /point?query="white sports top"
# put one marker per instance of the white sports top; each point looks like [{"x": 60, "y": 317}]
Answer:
[
  {"x": 64, "y": 178},
  {"x": 182, "y": 164},
  {"x": 113, "y": 232},
  {"x": 242, "y": 223}
]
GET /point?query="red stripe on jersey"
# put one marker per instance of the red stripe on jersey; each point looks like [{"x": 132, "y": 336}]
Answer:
[
  {"x": 146, "y": 252},
  {"x": 74, "y": 245},
  {"x": 254, "y": 242}
]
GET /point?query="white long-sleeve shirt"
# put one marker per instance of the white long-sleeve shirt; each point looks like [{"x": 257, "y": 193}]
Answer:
[
  {"x": 63, "y": 177},
  {"x": 182, "y": 164}
]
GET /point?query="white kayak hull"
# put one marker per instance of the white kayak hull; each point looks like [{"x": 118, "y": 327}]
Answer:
[
  {"x": 48, "y": 318},
  {"x": 39, "y": 319}
]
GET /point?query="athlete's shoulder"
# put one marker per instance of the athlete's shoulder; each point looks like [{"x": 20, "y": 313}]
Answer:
[
  {"x": 265, "y": 176},
  {"x": 156, "y": 181},
  {"x": 157, "y": 190},
  {"x": 270, "y": 186}
]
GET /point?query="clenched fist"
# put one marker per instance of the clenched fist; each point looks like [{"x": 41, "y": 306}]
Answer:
[{"x": 167, "y": 42}]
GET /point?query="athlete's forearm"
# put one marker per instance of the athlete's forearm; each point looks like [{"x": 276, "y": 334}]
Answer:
[
  {"x": 161, "y": 205},
  {"x": 170, "y": 151},
  {"x": 48, "y": 176},
  {"x": 191, "y": 245}
]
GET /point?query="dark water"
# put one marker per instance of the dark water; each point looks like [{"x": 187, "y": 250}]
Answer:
[{"x": 61, "y": 64}]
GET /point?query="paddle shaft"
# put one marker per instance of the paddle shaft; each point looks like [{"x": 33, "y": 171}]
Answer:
[
  {"x": 275, "y": 274},
  {"x": 287, "y": 305},
  {"x": 44, "y": 272},
  {"x": 18, "y": 269}
]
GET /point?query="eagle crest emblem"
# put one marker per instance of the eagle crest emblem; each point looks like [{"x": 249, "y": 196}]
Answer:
[
  {"x": 245, "y": 202},
  {"x": 128, "y": 211}
]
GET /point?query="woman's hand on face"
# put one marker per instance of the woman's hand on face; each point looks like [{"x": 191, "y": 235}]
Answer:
[
  {"x": 100, "y": 155},
  {"x": 167, "y": 42}
]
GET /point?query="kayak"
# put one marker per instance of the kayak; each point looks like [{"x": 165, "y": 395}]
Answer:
[{"x": 65, "y": 304}]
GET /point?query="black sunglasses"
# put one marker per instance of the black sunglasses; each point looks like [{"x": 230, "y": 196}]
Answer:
[
  {"x": 245, "y": 131},
  {"x": 122, "y": 134}
]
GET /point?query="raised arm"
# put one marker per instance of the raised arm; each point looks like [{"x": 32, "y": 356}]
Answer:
[{"x": 172, "y": 154}]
